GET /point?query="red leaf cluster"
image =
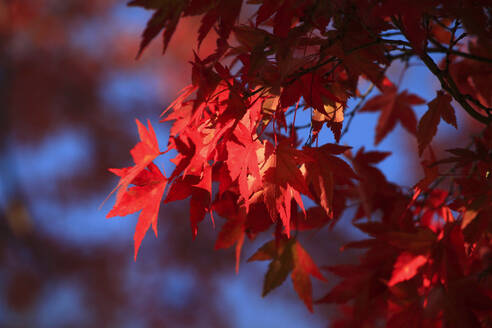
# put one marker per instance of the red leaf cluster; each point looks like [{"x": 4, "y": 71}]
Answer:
[{"x": 238, "y": 155}]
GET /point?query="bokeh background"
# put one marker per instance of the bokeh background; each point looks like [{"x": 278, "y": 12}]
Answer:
[{"x": 70, "y": 89}]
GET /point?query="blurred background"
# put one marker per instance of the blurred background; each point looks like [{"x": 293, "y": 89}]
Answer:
[{"x": 70, "y": 89}]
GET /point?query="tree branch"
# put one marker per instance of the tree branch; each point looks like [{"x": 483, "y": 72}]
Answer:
[
  {"x": 447, "y": 83},
  {"x": 443, "y": 49}
]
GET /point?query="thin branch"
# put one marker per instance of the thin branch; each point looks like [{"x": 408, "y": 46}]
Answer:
[
  {"x": 352, "y": 113},
  {"x": 443, "y": 49},
  {"x": 447, "y": 83},
  {"x": 300, "y": 127},
  {"x": 389, "y": 34},
  {"x": 300, "y": 73}
]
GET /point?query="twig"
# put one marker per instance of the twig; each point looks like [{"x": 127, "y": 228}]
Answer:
[
  {"x": 447, "y": 83},
  {"x": 352, "y": 113}
]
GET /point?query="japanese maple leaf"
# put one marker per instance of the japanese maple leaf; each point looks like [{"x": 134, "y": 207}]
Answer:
[
  {"x": 242, "y": 160},
  {"x": 201, "y": 194},
  {"x": 365, "y": 61},
  {"x": 146, "y": 195},
  {"x": 304, "y": 267},
  {"x": 225, "y": 13},
  {"x": 280, "y": 252},
  {"x": 284, "y": 13},
  {"x": 193, "y": 175},
  {"x": 166, "y": 17},
  {"x": 439, "y": 107},
  {"x": 373, "y": 183},
  {"x": 200, "y": 190},
  {"x": 150, "y": 184},
  {"x": 431, "y": 173},
  {"x": 316, "y": 94},
  {"x": 143, "y": 154},
  {"x": 233, "y": 231},
  {"x": 394, "y": 107},
  {"x": 321, "y": 171},
  {"x": 283, "y": 181},
  {"x": 195, "y": 147},
  {"x": 333, "y": 120},
  {"x": 288, "y": 256},
  {"x": 167, "y": 14}
]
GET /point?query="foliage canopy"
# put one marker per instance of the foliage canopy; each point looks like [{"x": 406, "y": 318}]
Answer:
[{"x": 428, "y": 254}]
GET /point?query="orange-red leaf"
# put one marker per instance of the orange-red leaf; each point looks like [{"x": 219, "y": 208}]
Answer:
[
  {"x": 143, "y": 154},
  {"x": 147, "y": 197},
  {"x": 406, "y": 267},
  {"x": 242, "y": 160},
  {"x": 149, "y": 184}
]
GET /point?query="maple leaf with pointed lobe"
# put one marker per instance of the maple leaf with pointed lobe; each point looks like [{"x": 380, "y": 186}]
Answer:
[
  {"x": 316, "y": 218},
  {"x": 280, "y": 252},
  {"x": 362, "y": 283},
  {"x": 288, "y": 256},
  {"x": 316, "y": 94},
  {"x": 166, "y": 17},
  {"x": 304, "y": 267},
  {"x": 366, "y": 60},
  {"x": 225, "y": 12},
  {"x": 439, "y": 108},
  {"x": 322, "y": 171},
  {"x": 283, "y": 180},
  {"x": 333, "y": 119},
  {"x": 354, "y": 282},
  {"x": 233, "y": 231},
  {"x": 143, "y": 154},
  {"x": 394, "y": 107},
  {"x": 242, "y": 161},
  {"x": 167, "y": 14},
  {"x": 373, "y": 183},
  {"x": 200, "y": 190},
  {"x": 149, "y": 185},
  {"x": 145, "y": 196},
  {"x": 431, "y": 173}
]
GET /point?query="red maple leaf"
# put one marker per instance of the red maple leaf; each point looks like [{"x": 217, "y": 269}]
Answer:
[
  {"x": 288, "y": 256},
  {"x": 394, "y": 107},
  {"x": 244, "y": 148},
  {"x": 283, "y": 180},
  {"x": 439, "y": 107},
  {"x": 146, "y": 195},
  {"x": 304, "y": 267},
  {"x": 321, "y": 172},
  {"x": 143, "y": 154},
  {"x": 165, "y": 17},
  {"x": 149, "y": 185},
  {"x": 233, "y": 231},
  {"x": 200, "y": 190}
]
